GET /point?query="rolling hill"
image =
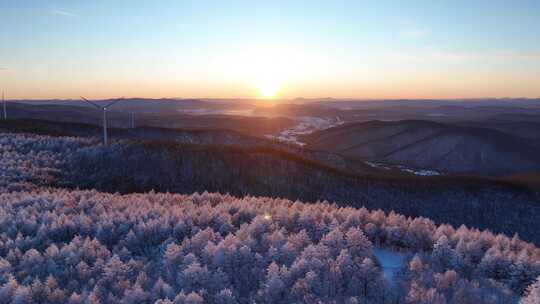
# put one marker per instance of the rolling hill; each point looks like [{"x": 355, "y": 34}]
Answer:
[
  {"x": 174, "y": 166},
  {"x": 426, "y": 144},
  {"x": 162, "y": 114}
]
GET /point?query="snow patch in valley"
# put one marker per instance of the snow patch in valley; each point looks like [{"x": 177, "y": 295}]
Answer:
[
  {"x": 419, "y": 172},
  {"x": 305, "y": 125},
  {"x": 390, "y": 261},
  {"x": 422, "y": 172}
]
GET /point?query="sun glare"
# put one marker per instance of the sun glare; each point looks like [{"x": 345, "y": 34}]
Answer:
[{"x": 268, "y": 89}]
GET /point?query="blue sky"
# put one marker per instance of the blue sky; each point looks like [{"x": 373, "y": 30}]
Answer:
[{"x": 362, "y": 49}]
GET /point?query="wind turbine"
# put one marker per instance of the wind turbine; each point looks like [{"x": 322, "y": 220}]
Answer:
[
  {"x": 5, "y": 106},
  {"x": 133, "y": 120},
  {"x": 104, "y": 109}
]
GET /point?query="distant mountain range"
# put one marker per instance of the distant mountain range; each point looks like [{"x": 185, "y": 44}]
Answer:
[
  {"x": 167, "y": 114},
  {"x": 473, "y": 137}
]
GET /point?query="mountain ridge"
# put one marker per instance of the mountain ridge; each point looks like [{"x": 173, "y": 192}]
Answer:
[{"x": 445, "y": 147}]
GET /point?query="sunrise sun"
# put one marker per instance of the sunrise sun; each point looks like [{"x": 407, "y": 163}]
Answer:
[{"x": 268, "y": 89}]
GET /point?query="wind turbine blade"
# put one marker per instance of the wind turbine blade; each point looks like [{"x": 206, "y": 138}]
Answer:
[
  {"x": 114, "y": 101},
  {"x": 92, "y": 103}
]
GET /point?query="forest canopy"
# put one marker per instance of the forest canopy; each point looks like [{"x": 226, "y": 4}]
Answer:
[{"x": 85, "y": 246}]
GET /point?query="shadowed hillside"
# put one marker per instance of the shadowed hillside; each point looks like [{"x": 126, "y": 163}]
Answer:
[
  {"x": 136, "y": 167},
  {"x": 448, "y": 148}
]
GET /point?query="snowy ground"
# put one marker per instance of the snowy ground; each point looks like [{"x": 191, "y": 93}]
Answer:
[
  {"x": 419, "y": 172},
  {"x": 305, "y": 125},
  {"x": 390, "y": 261}
]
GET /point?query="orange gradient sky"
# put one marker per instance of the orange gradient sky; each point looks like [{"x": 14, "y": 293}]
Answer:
[{"x": 311, "y": 49}]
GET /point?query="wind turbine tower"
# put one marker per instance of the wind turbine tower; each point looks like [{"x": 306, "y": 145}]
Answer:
[
  {"x": 4, "y": 105},
  {"x": 104, "y": 109}
]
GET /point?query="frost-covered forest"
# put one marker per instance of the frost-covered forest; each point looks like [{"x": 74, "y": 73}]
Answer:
[
  {"x": 28, "y": 161},
  {"x": 60, "y": 245},
  {"x": 84, "y": 246},
  {"x": 140, "y": 166}
]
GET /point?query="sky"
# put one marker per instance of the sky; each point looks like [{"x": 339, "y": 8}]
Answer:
[{"x": 254, "y": 49}]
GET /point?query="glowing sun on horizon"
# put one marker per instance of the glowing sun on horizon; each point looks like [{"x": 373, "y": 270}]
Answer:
[{"x": 268, "y": 89}]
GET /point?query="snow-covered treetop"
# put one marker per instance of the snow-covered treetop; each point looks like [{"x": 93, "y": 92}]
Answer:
[
  {"x": 77, "y": 245},
  {"x": 30, "y": 160},
  {"x": 71, "y": 246}
]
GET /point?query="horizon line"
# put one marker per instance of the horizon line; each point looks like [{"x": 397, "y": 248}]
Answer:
[{"x": 287, "y": 99}]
